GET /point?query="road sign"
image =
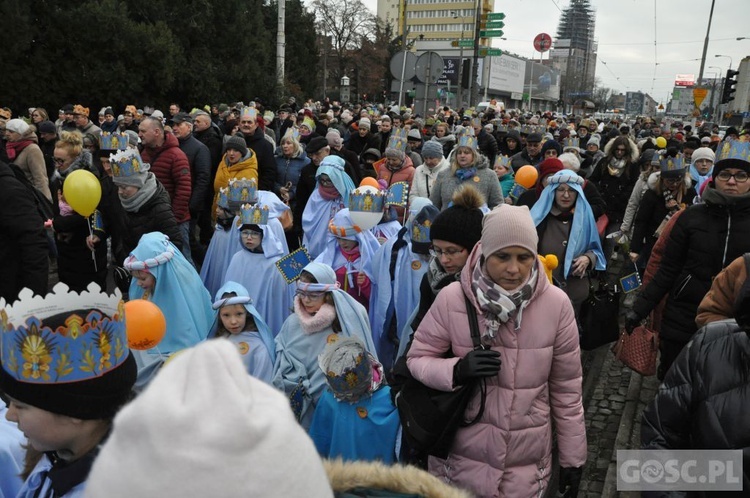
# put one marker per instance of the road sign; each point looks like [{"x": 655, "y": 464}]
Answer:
[
  {"x": 483, "y": 52},
  {"x": 429, "y": 67},
  {"x": 490, "y": 33},
  {"x": 467, "y": 43},
  {"x": 698, "y": 95},
  {"x": 398, "y": 65},
  {"x": 492, "y": 25},
  {"x": 496, "y": 16},
  {"x": 542, "y": 42}
]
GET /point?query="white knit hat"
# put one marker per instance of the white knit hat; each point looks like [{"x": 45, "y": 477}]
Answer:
[
  {"x": 204, "y": 427},
  {"x": 17, "y": 125},
  {"x": 703, "y": 153},
  {"x": 507, "y": 226}
]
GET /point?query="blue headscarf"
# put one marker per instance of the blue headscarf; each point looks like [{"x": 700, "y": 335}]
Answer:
[
  {"x": 333, "y": 166},
  {"x": 178, "y": 292},
  {"x": 243, "y": 297},
  {"x": 583, "y": 233}
]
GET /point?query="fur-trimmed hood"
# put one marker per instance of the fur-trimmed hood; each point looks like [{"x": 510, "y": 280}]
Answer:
[
  {"x": 345, "y": 476},
  {"x": 634, "y": 154}
]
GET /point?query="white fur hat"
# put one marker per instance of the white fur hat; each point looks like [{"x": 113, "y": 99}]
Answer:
[
  {"x": 204, "y": 427},
  {"x": 17, "y": 125}
]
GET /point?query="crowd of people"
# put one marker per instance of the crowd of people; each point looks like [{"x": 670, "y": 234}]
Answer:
[{"x": 290, "y": 327}]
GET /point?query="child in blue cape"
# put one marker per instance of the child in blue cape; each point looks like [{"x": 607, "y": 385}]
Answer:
[
  {"x": 254, "y": 266},
  {"x": 350, "y": 251},
  {"x": 162, "y": 275},
  {"x": 399, "y": 266},
  {"x": 239, "y": 322},
  {"x": 355, "y": 418},
  {"x": 330, "y": 196},
  {"x": 322, "y": 313},
  {"x": 224, "y": 242}
]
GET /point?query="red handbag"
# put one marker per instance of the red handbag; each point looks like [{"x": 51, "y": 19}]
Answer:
[
  {"x": 601, "y": 224},
  {"x": 638, "y": 351}
]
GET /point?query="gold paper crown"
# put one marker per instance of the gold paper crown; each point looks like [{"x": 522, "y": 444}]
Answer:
[
  {"x": 249, "y": 113},
  {"x": 672, "y": 164},
  {"x": 127, "y": 162},
  {"x": 467, "y": 139},
  {"x": 113, "y": 141},
  {"x": 366, "y": 201},
  {"x": 734, "y": 150},
  {"x": 223, "y": 200},
  {"x": 571, "y": 142},
  {"x": 79, "y": 109},
  {"x": 254, "y": 214},
  {"x": 503, "y": 161},
  {"x": 398, "y": 139},
  {"x": 243, "y": 190}
]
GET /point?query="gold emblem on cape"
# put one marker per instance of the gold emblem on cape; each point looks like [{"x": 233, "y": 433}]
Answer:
[
  {"x": 243, "y": 347},
  {"x": 416, "y": 265},
  {"x": 332, "y": 338},
  {"x": 476, "y": 179},
  {"x": 362, "y": 411}
]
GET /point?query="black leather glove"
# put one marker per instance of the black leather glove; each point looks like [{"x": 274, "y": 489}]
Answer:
[
  {"x": 570, "y": 479},
  {"x": 477, "y": 363},
  {"x": 632, "y": 320}
]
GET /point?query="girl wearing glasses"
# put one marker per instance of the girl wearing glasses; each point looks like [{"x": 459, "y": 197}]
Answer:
[
  {"x": 668, "y": 191},
  {"x": 322, "y": 313},
  {"x": 254, "y": 266},
  {"x": 705, "y": 238}
]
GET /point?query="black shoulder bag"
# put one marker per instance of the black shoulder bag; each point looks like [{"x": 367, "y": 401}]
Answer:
[{"x": 429, "y": 417}]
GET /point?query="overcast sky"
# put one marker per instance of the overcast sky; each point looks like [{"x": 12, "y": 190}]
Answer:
[{"x": 626, "y": 30}]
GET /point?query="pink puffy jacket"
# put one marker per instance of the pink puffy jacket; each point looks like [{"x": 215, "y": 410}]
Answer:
[{"x": 508, "y": 452}]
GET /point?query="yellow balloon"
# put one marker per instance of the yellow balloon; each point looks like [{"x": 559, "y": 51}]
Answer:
[
  {"x": 82, "y": 191},
  {"x": 661, "y": 142}
]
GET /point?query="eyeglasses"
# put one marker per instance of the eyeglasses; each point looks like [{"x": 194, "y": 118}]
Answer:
[
  {"x": 59, "y": 160},
  {"x": 325, "y": 182},
  {"x": 739, "y": 177},
  {"x": 314, "y": 296},
  {"x": 671, "y": 181},
  {"x": 568, "y": 192},
  {"x": 250, "y": 233},
  {"x": 449, "y": 253}
]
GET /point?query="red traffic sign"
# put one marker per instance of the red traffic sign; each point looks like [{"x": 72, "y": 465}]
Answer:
[{"x": 542, "y": 42}]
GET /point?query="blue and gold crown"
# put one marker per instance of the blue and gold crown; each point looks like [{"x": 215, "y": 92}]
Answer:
[
  {"x": 347, "y": 368},
  {"x": 420, "y": 232},
  {"x": 672, "y": 164},
  {"x": 250, "y": 113},
  {"x": 502, "y": 128},
  {"x": 733, "y": 150},
  {"x": 254, "y": 214},
  {"x": 243, "y": 190},
  {"x": 291, "y": 132},
  {"x": 467, "y": 138},
  {"x": 223, "y": 199},
  {"x": 63, "y": 336},
  {"x": 113, "y": 141},
  {"x": 398, "y": 139},
  {"x": 127, "y": 162},
  {"x": 366, "y": 201},
  {"x": 571, "y": 142},
  {"x": 502, "y": 160},
  {"x": 526, "y": 129}
]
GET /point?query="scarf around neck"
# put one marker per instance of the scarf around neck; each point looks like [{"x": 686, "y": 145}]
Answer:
[
  {"x": 437, "y": 277},
  {"x": 496, "y": 303},
  {"x": 13, "y": 149},
  {"x": 312, "y": 323},
  {"x": 616, "y": 166},
  {"x": 464, "y": 174},
  {"x": 329, "y": 193},
  {"x": 136, "y": 202}
]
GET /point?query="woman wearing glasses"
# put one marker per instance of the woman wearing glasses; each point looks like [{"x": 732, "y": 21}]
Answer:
[
  {"x": 704, "y": 240},
  {"x": 322, "y": 313},
  {"x": 669, "y": 191}
]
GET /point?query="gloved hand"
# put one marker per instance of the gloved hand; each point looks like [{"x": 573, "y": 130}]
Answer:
[
  {"x": 632, "y": 320},
  {"x": 570, "y": 479},
  {"x": 477, "y": 363}
]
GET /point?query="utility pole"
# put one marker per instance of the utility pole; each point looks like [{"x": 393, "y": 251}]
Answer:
[
  {"x": 474, "y": 94},
  {"x": 280, "y": 45},
  {"x": 459, "y": 95},
  {"x": 405, "y": 47},
  {"x": 705, "y": 42}
]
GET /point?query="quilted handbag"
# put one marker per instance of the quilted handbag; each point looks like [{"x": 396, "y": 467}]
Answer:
[{"x": 638, "y": 350}]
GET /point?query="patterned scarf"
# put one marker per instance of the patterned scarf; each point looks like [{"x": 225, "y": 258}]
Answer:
[
  {"x": 496, "y": 303},
  {"x": 668, "y": 197},
  {"x": 616, "y": 166},
  {"x": 464, "y": 174}
]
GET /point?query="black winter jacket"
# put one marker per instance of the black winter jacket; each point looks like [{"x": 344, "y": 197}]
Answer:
[
  {"x": 704, "y": 240},
  {"x": 704, "y": 400},
  {"x": 651, "y": 212},
  {"x": 615, "y": 190},
  {"x": 358, "y": 144},
  {"x": 487, "y": 145},
  {"x": 266, "y": 160},
  {"x": 199, "y": 158}
]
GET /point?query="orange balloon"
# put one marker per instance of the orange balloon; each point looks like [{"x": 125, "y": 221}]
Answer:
[
  {"x": 526, "y": 176},
  {"x": 369, "y": 182},
  {"x": 144, "y": 323}
]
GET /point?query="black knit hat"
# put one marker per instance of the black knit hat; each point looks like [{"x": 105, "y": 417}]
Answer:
[
  {"x": 237, "y": 142},
  {"x": 462, "y": 222}
]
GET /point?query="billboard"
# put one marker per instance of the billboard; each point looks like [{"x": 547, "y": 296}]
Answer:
[
  {"x": 450, "y": 72},
  {"x": 506, "y": 73},
  {"x": 634, "y": 102},
  {"x": 544, "y": 81},
  {"x": 684, "y": 80}
]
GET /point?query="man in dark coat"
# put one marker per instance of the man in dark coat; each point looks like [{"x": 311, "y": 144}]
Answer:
[
  {"x": 531, "y": 153},
  {"x": 24, "y": 247},
  {"x": 263, "y": 149}
]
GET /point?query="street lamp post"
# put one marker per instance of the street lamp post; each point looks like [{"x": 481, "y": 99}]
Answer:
[
  {"x": 714, "y": 102},
  {"x": 459, "y": 95},
  {"x": 728, "y": 57}
]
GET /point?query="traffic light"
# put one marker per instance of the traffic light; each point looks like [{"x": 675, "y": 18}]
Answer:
[
  {"x": 729, "y": 86},
  {"x": 465, "y": 74}
]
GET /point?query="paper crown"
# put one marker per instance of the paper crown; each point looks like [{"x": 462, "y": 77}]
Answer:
[
  {"x": 254, "y": 214},
  {"x": 223, "y": 199},
  {"x": 113, "y": 141},
  {"x": 127, "y": 162},
  {"x": 734, "y": 150},
  {"x": 309, "y": 123},
  {"x": 526, "y": 129},
  {"x": 476, "y": 122},
  {"x": 467, "y": 139},
  {"x": 571, "y": 142},
  {"x": 243, "y": 190},
  {"x": 291, "y": 132},
  {"x": 79, "y": 109},
  {"x": 347, "y": 368},
  {"x": 398, "y": 139},
  {"x": 502, "y": 128},
  {"x": 250, "y": 113},
  {"x": 504, "y": 161},
  {"x": 366, "y": 200},
  {"x": 64, "y": 336},
  {"x": 672, "y": 164},
  {"x": 420, "y": 232},
  {"x": 397, "y": 194}
]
